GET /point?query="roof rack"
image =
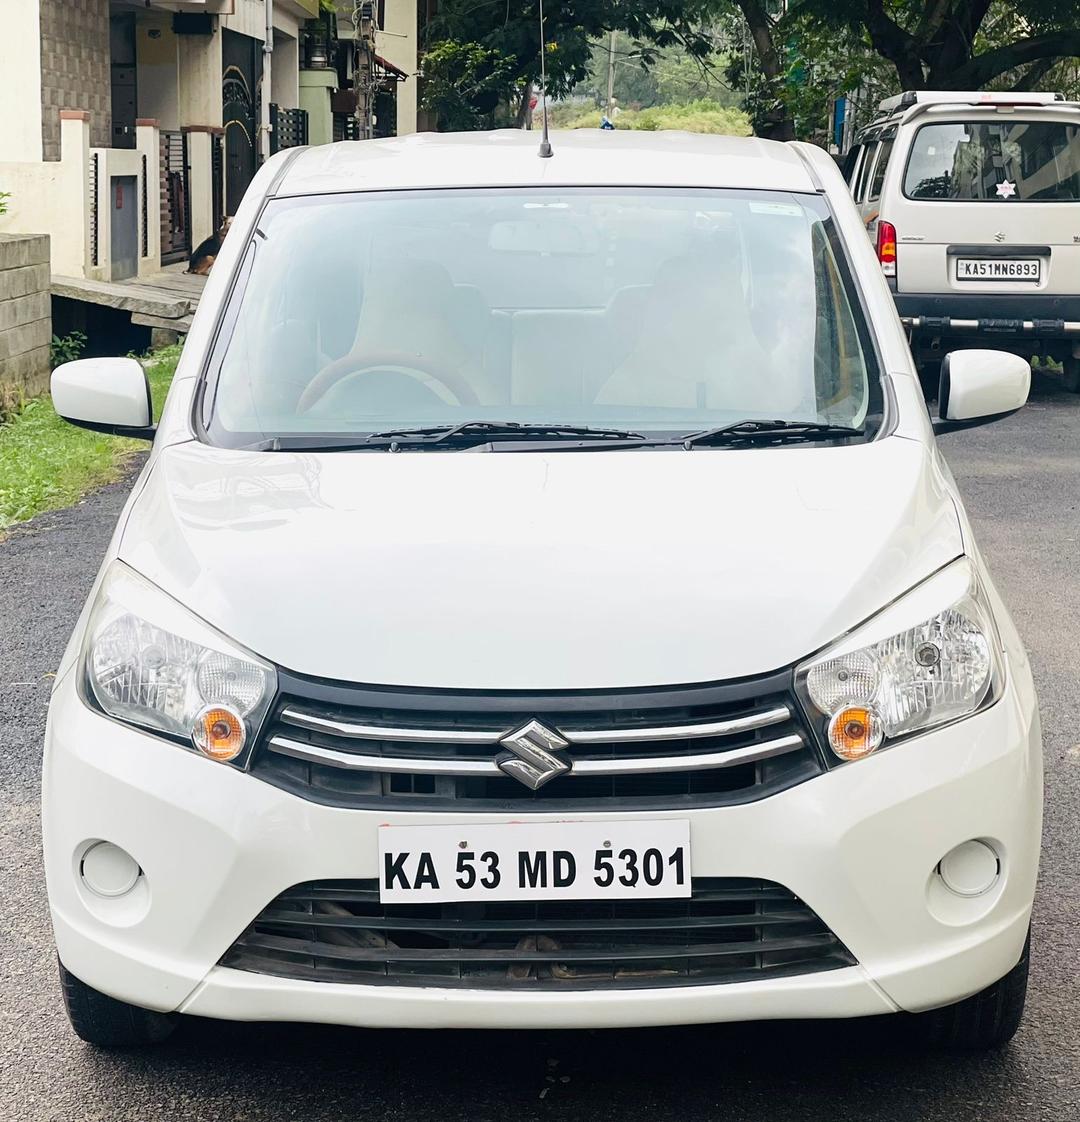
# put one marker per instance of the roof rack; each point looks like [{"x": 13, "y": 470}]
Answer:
[{"x": 957, "y": 97}]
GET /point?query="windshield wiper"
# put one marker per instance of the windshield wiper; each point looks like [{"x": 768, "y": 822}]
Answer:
[
  {"x": 484, "y": 431},
  {"x": 754, "y": 431}
]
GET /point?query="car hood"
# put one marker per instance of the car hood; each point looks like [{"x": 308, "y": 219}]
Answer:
[{"x": 553, "y": 571}]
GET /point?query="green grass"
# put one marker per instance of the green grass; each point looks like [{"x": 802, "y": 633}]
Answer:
[
  {"x": 47, "y": 464},
  {"x": 693, "y": 116}
]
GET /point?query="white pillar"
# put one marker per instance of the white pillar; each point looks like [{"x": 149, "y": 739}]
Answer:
[
  {"x": 200, "y": 182},
  {"x": 71, "y": 232},
  {"x": 199, "y": 73},
  {"x": 148, "y": 145}
]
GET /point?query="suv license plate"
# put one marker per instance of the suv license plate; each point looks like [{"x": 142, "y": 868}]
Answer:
[
  {"x": 535, "y": 861},
  {"x": 998, "y": 269}
]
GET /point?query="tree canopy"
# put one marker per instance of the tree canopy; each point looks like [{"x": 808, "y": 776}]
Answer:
[
  {"x": 787, "y": 60},
  {"x": 901, "y": 44},
  {"x": 509, "y": 31},
  {"x": 957, "y": 44}
]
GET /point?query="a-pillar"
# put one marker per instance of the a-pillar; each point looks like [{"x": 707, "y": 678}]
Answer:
[
  {"x": 199, "y": 72},
  {"x": 148, "y": 145}
]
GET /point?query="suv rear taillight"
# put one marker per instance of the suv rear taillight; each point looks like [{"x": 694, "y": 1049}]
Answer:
[{"x": 886, "y": 247}]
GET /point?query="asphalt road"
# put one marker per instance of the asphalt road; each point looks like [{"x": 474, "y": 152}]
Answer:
[{"x": 1021, "y": 481}]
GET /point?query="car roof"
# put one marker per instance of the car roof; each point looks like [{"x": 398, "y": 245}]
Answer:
[
  {"x": 965, "y": 107},
  {"x": 508, "y": 158}
]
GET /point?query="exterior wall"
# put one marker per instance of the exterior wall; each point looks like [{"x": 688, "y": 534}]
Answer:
[
  {"x": 285, "y": 75},
  {"x": 25, "y": 317},
  {"x": 199, "y": 70},
  {"x": 316, "y": 86},
  {"x": 157, "y": 57},
  {"x": 53, "y": 197},
  {"x": 20, "y": 122},
  {"x": 397, "y": 44},
  {"x": 75, "y": 70}
]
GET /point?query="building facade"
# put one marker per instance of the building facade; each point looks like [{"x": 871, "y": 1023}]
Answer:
[{"x": 133, "y": 128}]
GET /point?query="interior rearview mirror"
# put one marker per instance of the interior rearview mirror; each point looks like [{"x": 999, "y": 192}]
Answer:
[
  {"x": 106, "y": 395},
  {"x": 980, "y": 386}
]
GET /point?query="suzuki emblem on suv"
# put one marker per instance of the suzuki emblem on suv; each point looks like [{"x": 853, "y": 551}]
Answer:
[
  {"x": 532, "y": 755},
  {"x": 999, "y": 236}
]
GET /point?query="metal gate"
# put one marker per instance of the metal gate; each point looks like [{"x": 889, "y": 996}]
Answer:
[
  {"x": 288, "y": 128},
  {"x": 240, "y": 106},
  {"x": 217, "y": 164},
  {"x": 175, "y": 199}
]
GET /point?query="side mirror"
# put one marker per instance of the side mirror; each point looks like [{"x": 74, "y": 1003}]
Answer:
[
  {"x": 980, "y": 386},
  {"x": 106, "y": 395}
]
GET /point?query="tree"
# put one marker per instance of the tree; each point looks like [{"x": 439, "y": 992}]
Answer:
[
  {"x": 511, "y": 29},
  {"x": 959, "y": 44},
  {"x": 772, "y": 118},
  {"x": 464, "y": 84},
  {"x": 671, "y": 77},
  {"x": 809, "y": 51}
]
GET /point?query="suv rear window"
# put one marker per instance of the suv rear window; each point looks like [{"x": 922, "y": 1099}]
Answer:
[{"x": 991, "y": 161}]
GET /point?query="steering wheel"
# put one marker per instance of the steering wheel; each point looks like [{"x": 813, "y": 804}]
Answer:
[{"x": 358, "y": 366}]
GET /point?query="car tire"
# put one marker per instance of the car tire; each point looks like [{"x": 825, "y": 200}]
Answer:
[
  {"x": 108, "y": 1023},
  {"x": 1070, "y": 373},
  {"x": 986, "y": 1020}
]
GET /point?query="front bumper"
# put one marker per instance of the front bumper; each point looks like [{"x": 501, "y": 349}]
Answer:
[{"x": 859, "y": 845}]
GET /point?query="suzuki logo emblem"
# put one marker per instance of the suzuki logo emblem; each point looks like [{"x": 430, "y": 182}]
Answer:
[
  {"x": 532, "y": 755},
  {"x": 999, "y": 236}
]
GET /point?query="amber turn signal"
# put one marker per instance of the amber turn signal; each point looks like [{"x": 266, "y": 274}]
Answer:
[
  {"x": 854, "y": 732},
  {"x": 219, "y": 733}
]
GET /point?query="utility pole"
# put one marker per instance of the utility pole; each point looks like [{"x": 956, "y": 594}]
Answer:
[
  {"x": 365, "y": 28},
  {"x": 266, "y": 142},
  {"x": 611, "y": 75}
]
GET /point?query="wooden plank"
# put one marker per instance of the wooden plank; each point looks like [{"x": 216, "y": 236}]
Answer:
[
  {"x": 182, "y": 325},
  {"x": 134, "y": 297}
]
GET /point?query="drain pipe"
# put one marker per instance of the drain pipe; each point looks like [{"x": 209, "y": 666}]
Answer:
[{"x": 267, "y": 82}]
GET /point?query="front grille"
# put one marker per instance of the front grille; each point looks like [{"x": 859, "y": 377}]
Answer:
[
  {"x": 729, "y": 930},
  {"x": 645, "y": 749}
]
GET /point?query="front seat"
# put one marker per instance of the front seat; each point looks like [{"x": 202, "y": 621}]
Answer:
[{"x": 696, "y": 349}]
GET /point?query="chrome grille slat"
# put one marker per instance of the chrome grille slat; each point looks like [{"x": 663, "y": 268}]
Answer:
[
  {"x": 582, "y": 767},
  {"x": 679, "y": 732},
  {"x": 637, "y": 749},
  {"x": 357, "y": 731},
  {"x": 630, "y": 735}
]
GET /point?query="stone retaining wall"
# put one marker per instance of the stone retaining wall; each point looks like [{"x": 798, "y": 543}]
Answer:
[{"x": 25, "y": 317}]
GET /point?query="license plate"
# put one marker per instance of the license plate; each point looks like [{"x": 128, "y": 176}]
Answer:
[
  {"x": 1000, "y": 268},
  {"x": 534, "y": 861}
]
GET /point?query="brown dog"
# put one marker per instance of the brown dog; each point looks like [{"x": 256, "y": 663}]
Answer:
[{"x": 202, "y": 260}]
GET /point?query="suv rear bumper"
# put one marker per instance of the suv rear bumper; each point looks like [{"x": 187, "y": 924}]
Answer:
[{"x": 1028, "y": 315}]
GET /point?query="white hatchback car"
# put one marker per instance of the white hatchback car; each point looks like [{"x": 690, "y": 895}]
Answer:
[
  {"x": 973, "y": 203},
  {"x": 544, "y": 605}
]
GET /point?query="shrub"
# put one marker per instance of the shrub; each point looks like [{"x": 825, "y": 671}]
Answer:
[
  {"x": 66, "y": 348},
  {"x": 692, "y": 116}
]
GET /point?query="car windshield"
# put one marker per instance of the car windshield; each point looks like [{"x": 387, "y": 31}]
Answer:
[
  {"x": 657, "y": 311},
  {"x": 995, "y": 161}
]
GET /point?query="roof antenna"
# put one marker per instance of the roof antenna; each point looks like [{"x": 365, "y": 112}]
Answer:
[{"x": 545, "y": 144}]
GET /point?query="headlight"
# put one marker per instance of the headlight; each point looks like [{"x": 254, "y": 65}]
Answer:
[
  {"x": 931, "y": 657},
  {"x": 148, "y": 661}
]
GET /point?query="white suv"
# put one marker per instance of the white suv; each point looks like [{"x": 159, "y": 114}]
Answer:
[
  {"x": 544, "y": 605},
  {"x": 972, "y": 201}
]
